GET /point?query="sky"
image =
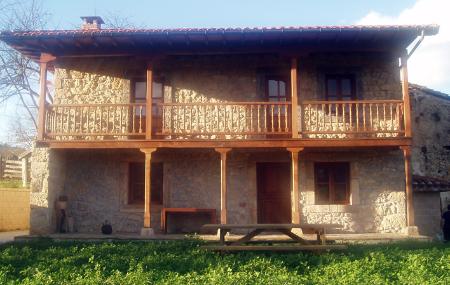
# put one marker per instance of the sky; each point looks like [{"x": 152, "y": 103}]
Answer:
[{"x": 429, "y": 66}]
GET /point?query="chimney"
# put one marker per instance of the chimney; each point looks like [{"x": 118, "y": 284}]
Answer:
[{"x": 92, "y": 23}]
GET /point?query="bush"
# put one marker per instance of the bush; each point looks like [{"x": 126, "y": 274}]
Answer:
[{"x": 184, "y": 262}]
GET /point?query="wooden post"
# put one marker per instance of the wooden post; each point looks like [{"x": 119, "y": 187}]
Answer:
[
  {"x": 223, "y": 183},
  {"x": 408, "y": 186},
  {"x": 147, "y": 230},
  {"x": 294, "y": 99},
  {"x": 295, "y": 191},
  {"x": 405, "y": 91},
  {"x": 148, "y": 109},
  {"x": 25, "y": 171},
  {"x": 44, "y": 60},
  {"x": 42, "y": 100}
]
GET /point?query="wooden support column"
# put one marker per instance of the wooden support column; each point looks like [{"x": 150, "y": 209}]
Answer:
[
  {"x": 44, "y": 60},
  {"x": 408, "y": 186},
  {"x": 147, "y": 230},
  {"x": 405, "y": 91},
  {"x": 295, "y": 191},
  {"x": 223, "y": 183},
  {"x": 294, "y": 99},
  {"x": 148, "y": 105}
]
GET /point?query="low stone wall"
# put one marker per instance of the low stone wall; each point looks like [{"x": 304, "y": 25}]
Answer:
[{"x": 14, "y": 209}]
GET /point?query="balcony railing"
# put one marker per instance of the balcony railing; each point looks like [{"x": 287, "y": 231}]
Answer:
[
  {"x": 226, "y": 120},
  {"x": 90, "y": 121},
  {"x": 352, "y": 119}
]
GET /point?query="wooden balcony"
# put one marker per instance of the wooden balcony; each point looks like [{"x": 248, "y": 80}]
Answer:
[{"x": 317, "y": 120}]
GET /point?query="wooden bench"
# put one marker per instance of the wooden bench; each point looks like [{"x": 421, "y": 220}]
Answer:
[
  {"x": 166, "y": 211},
  {"x": 285, "y": 229}
]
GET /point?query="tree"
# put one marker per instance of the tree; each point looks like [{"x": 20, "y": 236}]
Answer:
[{"x": 19, "y": 76}]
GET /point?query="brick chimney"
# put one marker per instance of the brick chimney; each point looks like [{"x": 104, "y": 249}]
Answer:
[{"x": 92, "y": 23}]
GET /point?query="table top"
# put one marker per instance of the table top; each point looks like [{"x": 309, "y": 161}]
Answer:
[{"x": 270, "y": 226}]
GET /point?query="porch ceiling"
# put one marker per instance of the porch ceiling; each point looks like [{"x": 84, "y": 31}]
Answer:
[{"x": 209, "y": 40}]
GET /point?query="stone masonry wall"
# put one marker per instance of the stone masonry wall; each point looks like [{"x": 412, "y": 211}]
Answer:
[
  {"x": 96, "y": 182},
  {"x": 377, "y": 196},
  {"x": 431, "y": 133},
  {"x": 48, "y": 170},
  {"x": 209, "y": 79}
]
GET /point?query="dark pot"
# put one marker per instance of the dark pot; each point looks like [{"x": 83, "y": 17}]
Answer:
[{"x": 107, "y": 229}]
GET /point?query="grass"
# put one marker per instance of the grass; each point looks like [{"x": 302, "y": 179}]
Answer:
[
  {"x": 11, "y": 183},
  {"x": 183, "y": 262}
]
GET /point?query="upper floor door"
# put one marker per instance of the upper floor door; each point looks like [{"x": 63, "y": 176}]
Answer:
[{"x": 139, "y": 95}]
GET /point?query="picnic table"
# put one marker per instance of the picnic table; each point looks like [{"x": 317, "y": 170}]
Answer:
[{"x": 286, "y": 229}]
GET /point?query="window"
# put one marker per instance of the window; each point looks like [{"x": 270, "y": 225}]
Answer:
[
  {"x": 340, "y": 87},
  {"x": 276, "y": 89},
  {"x": 332, "y": 181},
  {"x": 136, "y": 190},
  {"x": 139, "y": 93}
]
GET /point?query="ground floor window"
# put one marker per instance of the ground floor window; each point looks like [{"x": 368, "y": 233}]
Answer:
[
  {"x": 136, "y": 189},
  {"x": 332, "y": 182}
]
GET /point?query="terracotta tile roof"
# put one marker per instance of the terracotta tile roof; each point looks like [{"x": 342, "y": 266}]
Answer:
[
  {"x": 430, "y": 184},
  {"x": 207, "y": 40},
  {"x": 430, "y": 29}
]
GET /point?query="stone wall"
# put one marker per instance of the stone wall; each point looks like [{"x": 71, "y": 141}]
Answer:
[
  {"x": 377, "y": 196},
  {"x": 431, "y": 132},
  {"x": 96, "y": 183},
  {"x": 377, "y": 76},
  {"x": 427, "y": 213},
  {"x": 48, "y": 171},
  {"x": 212, "y": 79}
]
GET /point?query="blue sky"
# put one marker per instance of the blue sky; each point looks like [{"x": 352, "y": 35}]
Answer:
[
  {"x": 230, "y": 13},
  {"x": 429, "y": 66}
]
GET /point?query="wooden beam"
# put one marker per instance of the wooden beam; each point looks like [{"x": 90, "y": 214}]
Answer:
[
  {"x": 405, "y": 91},
  {"x": 309, "y": 143},
  {"x": 223, "y": 183},
  {"x": 295, "y": 190},
  {"x": 294, "y": 99},
  {"x": 148, "y": 109},
  {"x": 44, "y": 60},
  {"x": 148, "y": 191},
  {"x": 408, "y": 186}
]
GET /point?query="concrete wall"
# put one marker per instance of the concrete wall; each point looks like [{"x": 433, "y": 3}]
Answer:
[{"x": 14, "y": 209}]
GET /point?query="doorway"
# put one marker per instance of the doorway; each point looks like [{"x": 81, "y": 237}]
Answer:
[{"x": 273, "y": 192}]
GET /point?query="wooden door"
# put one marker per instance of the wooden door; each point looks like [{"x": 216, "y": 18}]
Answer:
[{"x": 273, "y": 191}]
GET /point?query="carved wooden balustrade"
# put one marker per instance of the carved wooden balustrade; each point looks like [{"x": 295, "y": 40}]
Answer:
[
  {"x": 226, "y": 120},
  {"x": 352, "y": 119},
  {"x": 95, "y": 121}
]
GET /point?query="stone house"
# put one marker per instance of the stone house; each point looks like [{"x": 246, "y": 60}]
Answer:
[
  {"x": 263, "y": 125},
  {"x": 430, "y": 156}
]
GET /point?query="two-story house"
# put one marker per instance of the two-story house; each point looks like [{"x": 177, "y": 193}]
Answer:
[{"x": 260, "y": 125}]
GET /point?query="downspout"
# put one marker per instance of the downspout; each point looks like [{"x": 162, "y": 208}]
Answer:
[{"x": 422, "y": 36}]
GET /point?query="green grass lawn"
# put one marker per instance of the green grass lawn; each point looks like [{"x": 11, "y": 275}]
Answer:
[{"x": 183, "y": 262}]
